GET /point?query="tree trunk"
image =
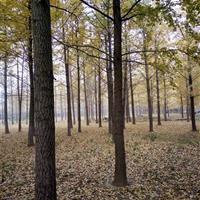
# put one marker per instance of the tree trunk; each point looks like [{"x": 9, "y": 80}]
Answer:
[
  {"x": 187, "y": 102},
  {"x": 67, "y": 74},
  {"x": 72, "y": 93},
  {"x": 79, "y": 93},
  {"x": 108, "y": 46},
  {"x": 120, "y": 177},
  {"x": 99, "y": 94},
  {"x": 95, "y": 94},
  {"x": 86, "y": 100},
  {"x": 20, "y": 93},
  {"x": 192, "y": 105},
  {"x": 149, "y": 99},
  {"x": 182, "y": 107},
  {"x": 45, "y": 182},
  {"x": 165, "y": 99},
  {"x": 132, "y": 96},
  {"x": 6, "y": 95},
  {"x": 12, "y": 106},
  {"x": 158, "y": 97},
  {"x": 61, "y": 106}
]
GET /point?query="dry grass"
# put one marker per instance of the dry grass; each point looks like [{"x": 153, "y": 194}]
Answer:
[{"x": 162, "y": 165}]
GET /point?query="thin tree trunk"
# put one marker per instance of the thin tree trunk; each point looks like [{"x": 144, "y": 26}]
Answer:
[
  {"x": 72, "y": 93},
  {"x": 187, "y": 102},
  {"x": 132, "y": 96},
  {"x": 12, "y": 106},
  {"x": 99, "y": 95},
  {"x": 85, "y": 94},
  {"x": 6, "y": 95},
  {"x": 165, "y": 99},
  {"x": 120, "y": 177},
  {"x": 27, "y": 103},
  {"x": 45, "y": 181},
  {"x": 158, "y": 97},
  {"x": 149, "y": 99},
  {"x": 67, "y": 74},
  {"x": 61, "y": 106},
  {"x": 95, "y": 94},
  {"x": 192, "y": 105},
  {"x": 182, "y": 107},
  {"x": 108, "y": 46}
]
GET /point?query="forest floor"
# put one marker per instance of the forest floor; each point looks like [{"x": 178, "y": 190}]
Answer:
[{"x": 162, "y": 165}]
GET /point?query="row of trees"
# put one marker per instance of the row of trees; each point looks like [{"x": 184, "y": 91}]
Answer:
[{"x": 106, "y": 49}]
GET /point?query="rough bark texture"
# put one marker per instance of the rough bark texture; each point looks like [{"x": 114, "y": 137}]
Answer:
[
  {"x": 120, "y": 177},
  {"x": 45, "y": 181},
  {"x": 31, "y": 128}
]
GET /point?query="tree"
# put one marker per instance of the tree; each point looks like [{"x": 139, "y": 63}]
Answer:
[
  {"x": 120, "y": 177},
  {"x": 45, "y": 181}
]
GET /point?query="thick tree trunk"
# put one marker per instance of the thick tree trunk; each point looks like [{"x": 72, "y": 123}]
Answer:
[
  {"x": 99, "y": 94},
  {"x": 132, "y": 96},
  {"x": 45, "y": 182},
  {"x": 6, "y": 95},
  {"x": 149, "y": 99},
  {"x": 120, "y": 177},
  {"x": 158, "y": 97}
]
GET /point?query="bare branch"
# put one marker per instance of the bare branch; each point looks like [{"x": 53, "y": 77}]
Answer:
[{"x": 96, "y": 9}]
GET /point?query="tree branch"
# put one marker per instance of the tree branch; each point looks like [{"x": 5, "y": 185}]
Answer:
[
  {"x": 96, "y": 9},
  {"x": 131, "y": 8}
]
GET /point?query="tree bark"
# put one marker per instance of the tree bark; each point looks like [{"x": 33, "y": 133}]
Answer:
[
  {"x": 6, "y": 95},
  {"x": 67, "y": 75},
  {"x": 192, "y": 105},
  {"x": 149, "y": 99},
  {"x": 85, "y": 94},
  {"x": 99, "y": 94},
  {"x": 158, "y": 97},
  {"x": 165, "y": 99},
  {"x": 120, "y": 177},
  {"x": 45, "y": 181},
  {"x": 72, "y": 93},
  {"x": 20, "y": 93},
  {"x": 132, "y": 96},
  {"x": 182, "y": 106},
  {"x": 12, "y": 106},
  {"x": 95, "y": 94}
]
